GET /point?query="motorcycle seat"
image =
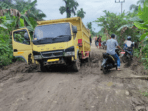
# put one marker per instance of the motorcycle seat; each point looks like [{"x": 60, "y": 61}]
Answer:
[
  {"x": 105, "y": 55},
  {"x": 113, "y": 59}
]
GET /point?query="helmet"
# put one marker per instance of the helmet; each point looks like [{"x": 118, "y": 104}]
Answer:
[
  {"x": 113, "y": 36},
  {"x": 129, "y": 38}
]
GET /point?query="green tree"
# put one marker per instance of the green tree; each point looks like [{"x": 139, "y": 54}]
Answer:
[
  {"x": 70, "y": 8},
  {"x": 111, "y": 21},
  {"x": 89, "y": 25},
  {"x": 117, "y": 24},
  {"x": 81, "y": 13}
]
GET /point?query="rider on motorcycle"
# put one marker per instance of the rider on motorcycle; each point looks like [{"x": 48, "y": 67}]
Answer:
[
  {"x": 128, "y": 44},
  {"x": 111, "y": 46}
]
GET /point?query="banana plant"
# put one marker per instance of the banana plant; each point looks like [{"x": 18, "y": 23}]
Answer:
[
  {"x": 143, "y": 15},
  {"x": 24, "y": 17},
  {"x": 4, "y": 6},
  {"x": 21, "y": 20}
]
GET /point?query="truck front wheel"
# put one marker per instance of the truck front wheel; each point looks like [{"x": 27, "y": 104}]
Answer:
[
  {"x": 43, "y": 68},
  {"x": 76, "y": 65}
]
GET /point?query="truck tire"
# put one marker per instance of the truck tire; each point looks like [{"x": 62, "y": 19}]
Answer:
[
  {"x": 43, "y": 68},
  {"x": 76, "y": 65}
]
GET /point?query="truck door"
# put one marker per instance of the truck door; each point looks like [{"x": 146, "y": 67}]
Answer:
[{"x": 22, "y": 45}]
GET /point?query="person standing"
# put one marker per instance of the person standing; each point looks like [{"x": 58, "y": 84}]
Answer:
[
  {"x": 96, "y": 40},
  {"x": 100, "y": 42}
]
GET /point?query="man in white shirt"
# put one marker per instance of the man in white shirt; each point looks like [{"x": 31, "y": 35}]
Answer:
[{"x": 128, "y": 43}]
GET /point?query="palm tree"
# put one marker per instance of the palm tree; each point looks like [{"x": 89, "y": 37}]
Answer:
[
  {"x": 81, "y": 13},
  {"x": 141, "y": 2},
  {"x": 70, "y": 8},
  {"x": 135, "y": 7}
]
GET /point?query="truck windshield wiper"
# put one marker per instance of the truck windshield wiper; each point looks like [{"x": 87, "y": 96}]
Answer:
[
  {"x": 44, "y": 38},
  {"x": 61, "y": 36}
]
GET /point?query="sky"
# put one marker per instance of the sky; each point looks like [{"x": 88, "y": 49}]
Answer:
[{"x": 93, "y": 8}]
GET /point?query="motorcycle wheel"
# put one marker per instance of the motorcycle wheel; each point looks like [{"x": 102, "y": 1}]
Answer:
[
  {"x": 124, "y": 59},
  {"x": 104, "y": 70},
  {"x": 130, "y": 60}
]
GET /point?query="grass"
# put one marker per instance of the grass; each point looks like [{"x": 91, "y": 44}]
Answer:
[{"x": 145, "y": 93}]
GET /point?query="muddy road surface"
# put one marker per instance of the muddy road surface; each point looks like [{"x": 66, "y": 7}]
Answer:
[{"x": 25, "y": 88}]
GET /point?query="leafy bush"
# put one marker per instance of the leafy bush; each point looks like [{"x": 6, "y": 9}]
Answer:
[
  {"x": 6, "y": 53},
  {"x": 136, "y": 53}
]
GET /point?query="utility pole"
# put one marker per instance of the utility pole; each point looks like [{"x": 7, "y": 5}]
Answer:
[{"x": 122, "y": 1}]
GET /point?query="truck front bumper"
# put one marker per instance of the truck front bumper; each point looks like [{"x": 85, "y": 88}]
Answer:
[{"x": 60, "y": 61}]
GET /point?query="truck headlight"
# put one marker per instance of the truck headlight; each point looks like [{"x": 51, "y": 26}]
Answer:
[
  {"x": 69, "y": 54},
  {"x": 37, "y": 57}
]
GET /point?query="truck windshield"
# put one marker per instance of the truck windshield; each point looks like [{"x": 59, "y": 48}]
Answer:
[{"x": 52, "y": 31}]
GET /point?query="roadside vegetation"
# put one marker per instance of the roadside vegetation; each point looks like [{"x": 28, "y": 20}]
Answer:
[{"x": 15, "y": 14}]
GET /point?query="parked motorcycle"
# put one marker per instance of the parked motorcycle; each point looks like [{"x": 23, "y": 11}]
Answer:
[
  {"x": 109, "y": 62},
  {"x": 103, "y": 44}
]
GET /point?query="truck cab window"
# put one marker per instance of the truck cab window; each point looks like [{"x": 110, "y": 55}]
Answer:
[{"x": 20, "y": 36}]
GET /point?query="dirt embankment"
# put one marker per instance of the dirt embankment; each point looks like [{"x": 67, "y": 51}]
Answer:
[{"x": 25, "y": 88}]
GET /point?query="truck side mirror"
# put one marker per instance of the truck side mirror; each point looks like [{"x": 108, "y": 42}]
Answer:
[
  {"x": 74, "y": 29},
  {"x": 26, "y": 36}
]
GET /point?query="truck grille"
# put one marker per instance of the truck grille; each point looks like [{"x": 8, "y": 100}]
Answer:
[{"x": 52, "y": 54}]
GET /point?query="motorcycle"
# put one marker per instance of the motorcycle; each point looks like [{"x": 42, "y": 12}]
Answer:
[
  {"x": 127, "y": 55},
  {"x": 103, "y": 44},
  {"x": 109, "y": 62}
]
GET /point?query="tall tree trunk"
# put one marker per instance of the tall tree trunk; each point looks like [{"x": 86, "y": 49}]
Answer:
[
  {"x": 106, "y": 32},
  {"x": 68, "y": 14}
]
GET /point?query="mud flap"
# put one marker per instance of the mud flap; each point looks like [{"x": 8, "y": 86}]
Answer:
[{"x": 29, "y": 59}]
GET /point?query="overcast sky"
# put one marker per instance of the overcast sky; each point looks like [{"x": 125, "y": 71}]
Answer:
[{"x": 93, "y": 8}]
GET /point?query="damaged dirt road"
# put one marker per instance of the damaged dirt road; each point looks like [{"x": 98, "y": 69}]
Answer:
[{"x": 25, "y": 88}]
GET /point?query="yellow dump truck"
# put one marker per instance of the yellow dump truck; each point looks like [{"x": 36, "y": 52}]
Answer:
[{"x": 61, "y": 41}]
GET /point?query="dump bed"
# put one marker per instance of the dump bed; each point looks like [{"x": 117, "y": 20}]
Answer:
[{"x": 82, "y": 34}]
